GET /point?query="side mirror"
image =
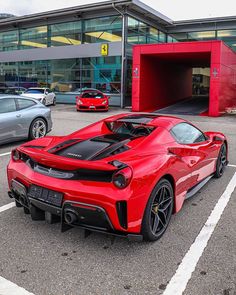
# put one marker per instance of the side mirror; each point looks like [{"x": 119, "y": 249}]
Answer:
[{"x": 108, "y": 97}]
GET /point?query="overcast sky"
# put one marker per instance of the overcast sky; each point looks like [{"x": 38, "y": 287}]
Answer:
[{"x": 174, "y": 9}]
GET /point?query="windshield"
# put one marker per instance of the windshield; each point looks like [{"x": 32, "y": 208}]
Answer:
[
  {"x": 130, "y": 128},
  {"x": 35, "y": 91},
  {"x": 92, "y": 95}
]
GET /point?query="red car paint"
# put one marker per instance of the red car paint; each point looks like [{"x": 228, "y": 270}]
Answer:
[
  {"x": 149, "y": 158},
  {"x": 91, "y": 100}
]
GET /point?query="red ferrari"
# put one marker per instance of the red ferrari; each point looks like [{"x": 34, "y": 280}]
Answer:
[
  {"x": 92, "y": 100},
  {"x": 124, "y": 175}
]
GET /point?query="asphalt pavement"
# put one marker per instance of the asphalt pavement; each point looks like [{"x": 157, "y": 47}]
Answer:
[{"x": 39, "y": 258}]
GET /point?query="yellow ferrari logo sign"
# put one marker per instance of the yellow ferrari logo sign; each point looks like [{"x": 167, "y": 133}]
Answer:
[{"x": 104, "y": 49}]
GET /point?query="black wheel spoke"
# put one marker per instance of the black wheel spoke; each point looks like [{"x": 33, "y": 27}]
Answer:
[
  {"x": 162, "y": 217},
  {"x": 155, "y": 223}
]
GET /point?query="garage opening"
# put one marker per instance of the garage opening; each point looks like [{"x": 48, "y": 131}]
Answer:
[{"x": 177, "y": 83}]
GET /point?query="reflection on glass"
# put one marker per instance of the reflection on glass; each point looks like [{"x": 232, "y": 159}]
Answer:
[
  {"x": 103, "y": 29},
  {"x": 228, "y": 36},
  {"x": 65, "y": 34},
  {"x": 33, "y": 38},
  {"x": 141, "y": 33},
  {"x": 9, "y": 40},
  {"x": 205, "y": 35}
]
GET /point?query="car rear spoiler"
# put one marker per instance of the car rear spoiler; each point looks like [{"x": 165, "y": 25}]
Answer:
[{"x": 56, "y": 161}]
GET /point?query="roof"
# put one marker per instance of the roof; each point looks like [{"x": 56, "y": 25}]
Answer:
[{"x": 135, "y": 6}]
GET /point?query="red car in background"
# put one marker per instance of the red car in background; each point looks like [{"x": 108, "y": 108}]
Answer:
[
  {"x": 92, "y": 100},
  {"x": 124, "y": 175}
]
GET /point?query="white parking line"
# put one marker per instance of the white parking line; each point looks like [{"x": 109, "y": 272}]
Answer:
[
  {"x": 179, "y": 281},
  {"x": 234, "y": 166},
  {"x": 6, "y": 207},
  {"x": 5, "y": 154},
  {"x": 9, "y": 288}
]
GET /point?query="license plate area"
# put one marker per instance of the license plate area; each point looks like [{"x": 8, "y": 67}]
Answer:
[
  {"x": 18, "y": 188},
  {"x": 45, "y": 195},
  {"x": 92, "y": 107}
]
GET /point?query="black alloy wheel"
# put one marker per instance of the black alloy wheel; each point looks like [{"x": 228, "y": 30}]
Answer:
[
  {"x": 158, "y": 211},
  {"x": 221, "y": 161}
]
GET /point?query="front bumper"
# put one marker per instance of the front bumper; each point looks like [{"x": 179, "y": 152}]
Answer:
[{"x": 92, "y": 108}]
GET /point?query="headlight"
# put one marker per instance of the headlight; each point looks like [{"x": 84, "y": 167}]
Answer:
[
  {"x": 80, "y": 102},
  {"x": 104, "y": 102}
]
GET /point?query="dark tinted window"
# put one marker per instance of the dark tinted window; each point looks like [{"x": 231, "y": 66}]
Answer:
[
  {"x": 92, "y": 95},
  {"x": 35, "y": 91},
  {"x": 186, "y": 133},
  {"x": 25, "y": 103},
  {"x": 7, "y": 105}
]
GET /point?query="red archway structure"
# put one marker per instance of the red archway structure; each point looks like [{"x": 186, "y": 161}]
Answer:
[{"x": 162, "y": 74}]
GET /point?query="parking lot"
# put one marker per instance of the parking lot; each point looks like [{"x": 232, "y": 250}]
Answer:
[{"x": 39, "y": 258}]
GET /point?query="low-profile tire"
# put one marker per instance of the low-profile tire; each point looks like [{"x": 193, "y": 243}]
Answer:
[
  {"x": 221, "y": 161},
  {"x": 18, "y": 204},
  {"x": 158, "y": 211},
  {"x": 26, "y": 210},
  {"x": 38, "y": 128}
]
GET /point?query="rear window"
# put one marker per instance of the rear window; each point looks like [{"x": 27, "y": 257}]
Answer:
[
  {"x": 130, "y": 128},
  {"x": 35, "y": 91},
  {"x": 92, "y": 95}
]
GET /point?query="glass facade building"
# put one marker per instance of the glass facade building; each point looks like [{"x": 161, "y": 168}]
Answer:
[{"x": 62, "y": 49}]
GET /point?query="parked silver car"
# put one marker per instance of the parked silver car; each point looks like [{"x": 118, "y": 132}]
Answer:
[{"x": 23, "y": 117}]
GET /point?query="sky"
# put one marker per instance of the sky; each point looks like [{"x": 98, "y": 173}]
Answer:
[{"x": 174, "y": 9}]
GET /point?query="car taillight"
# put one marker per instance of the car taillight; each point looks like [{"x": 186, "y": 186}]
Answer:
[
  {"x": 16, "y": 155},
  {"x": 121, "y": 179}
]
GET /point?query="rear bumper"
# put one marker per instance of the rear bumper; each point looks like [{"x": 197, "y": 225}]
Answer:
[
  {"x": 86, "y": 216},
  {"x": 104, "y": 196}
]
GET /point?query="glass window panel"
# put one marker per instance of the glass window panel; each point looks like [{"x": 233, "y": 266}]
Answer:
[
  {"x": 33, "y": 74},
  {"x": 9, "y": 40},
  {"x": 33, "y": 37},
  {"x": 162, "y": 37},
  {"x": 25, "y": 103},
  {"x": 7, "y": 105},
  {"x": 102, "y": 73},
  {"x": 179, "y": 37},
  {"x": 185, "y": 133},
  {"x": 65, "y": 34},
  {"x": 105, "y": 29},
  {"x": 205, "y": 35},
  {"x": 228, "y": 36}
]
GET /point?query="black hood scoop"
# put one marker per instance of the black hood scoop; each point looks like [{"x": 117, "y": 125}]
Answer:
[{"x": 96, "y": 148}]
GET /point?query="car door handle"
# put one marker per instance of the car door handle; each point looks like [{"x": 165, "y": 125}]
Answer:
[{"x": 18, "y": 116}]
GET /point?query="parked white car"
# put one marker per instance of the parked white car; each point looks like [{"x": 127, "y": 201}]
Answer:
[{"x": 44, "y": 95}]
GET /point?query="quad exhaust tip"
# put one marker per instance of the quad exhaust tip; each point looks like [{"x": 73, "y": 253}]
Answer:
[{"x": 70, "y": 216}]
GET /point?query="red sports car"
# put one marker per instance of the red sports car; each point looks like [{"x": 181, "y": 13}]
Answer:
[
  {"x": 124, "y": 175},
  {"x": 92, "y": 100}
]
